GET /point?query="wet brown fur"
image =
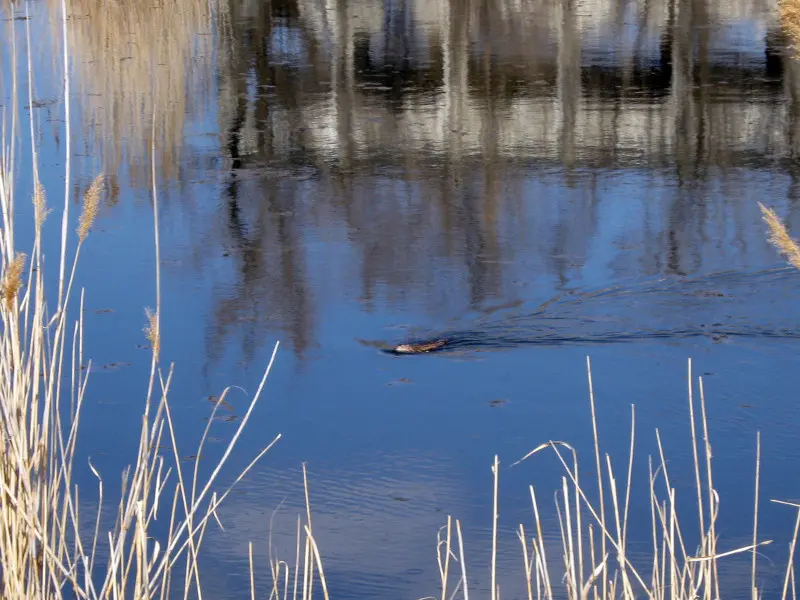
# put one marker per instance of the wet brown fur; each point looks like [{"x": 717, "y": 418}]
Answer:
[{"x": 420, "y": 348}]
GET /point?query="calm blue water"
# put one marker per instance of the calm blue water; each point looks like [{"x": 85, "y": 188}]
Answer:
[{"x": 543, "y": 184}]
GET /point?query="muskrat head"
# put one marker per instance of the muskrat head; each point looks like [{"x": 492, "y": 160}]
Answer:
[{"x": 405, "y": 349}]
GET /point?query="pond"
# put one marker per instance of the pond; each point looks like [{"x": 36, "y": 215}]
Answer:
[{"x": 536, "y": 182}]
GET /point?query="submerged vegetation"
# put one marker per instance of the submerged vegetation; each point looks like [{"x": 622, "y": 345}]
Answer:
[{"x": 50, "y": 547}]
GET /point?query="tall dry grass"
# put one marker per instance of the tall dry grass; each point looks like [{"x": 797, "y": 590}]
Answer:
[
  {"x": 684, "y": 558},
  {"x": 49, "y": 546}
]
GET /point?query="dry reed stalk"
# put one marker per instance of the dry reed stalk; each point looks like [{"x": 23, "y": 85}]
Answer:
[
  {"x": 674, "y": 574},
  {"x": 44, "y": 551},
  {"x": 444, "y": 566},
  {"x": 753, "y": 589},
  {"x": 526, "y": 562},
  {"x": 67, "y": 156},
  {"x": 462, "y": 561},
  {"x": 713, "y": 498},
  {"x": 496, "y": 474},
  {"x": 292, "y": 580},
  {"x": 303, "y": 569},
  {"x": 600, "y": 486}
]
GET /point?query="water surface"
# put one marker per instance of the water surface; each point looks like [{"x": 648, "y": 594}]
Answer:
[{"x": 537, "y": 181}]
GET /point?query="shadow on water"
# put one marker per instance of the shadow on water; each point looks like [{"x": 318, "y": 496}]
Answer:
[{"x": 755, "y": 304}]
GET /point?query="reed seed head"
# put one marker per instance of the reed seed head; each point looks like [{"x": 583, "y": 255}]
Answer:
[
  {"x": 779, "y": 236},
  {"x": 12, "y": 279},
  {"x": 91, "y": 203},
  {"x": 39, "y": 204},
  {"x": 151, "y": 330}
]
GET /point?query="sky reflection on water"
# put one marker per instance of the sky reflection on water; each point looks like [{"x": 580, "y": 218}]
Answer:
[{"x": 337, "y": 172}]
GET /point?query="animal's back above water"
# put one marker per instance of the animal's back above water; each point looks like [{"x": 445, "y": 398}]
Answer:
[
  {"x": 421, "y": 347},
  {"x": 761, "y": 304}
]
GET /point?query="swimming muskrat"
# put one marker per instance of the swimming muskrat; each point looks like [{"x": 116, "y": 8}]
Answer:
[
  {"x": 420, "y": 348},
  {"x": 687, "y": 307}
]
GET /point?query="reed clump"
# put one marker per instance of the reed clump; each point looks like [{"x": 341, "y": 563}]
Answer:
[
  {"x": 53, "y": 543},
  {"x": 593, "y": 560}
]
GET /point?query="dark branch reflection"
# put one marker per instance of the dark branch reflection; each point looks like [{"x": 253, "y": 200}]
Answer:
[{"x": 423, "y": 133}]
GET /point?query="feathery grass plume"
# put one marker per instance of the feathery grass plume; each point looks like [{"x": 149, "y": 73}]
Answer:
[
  {"x": 12, "y": 279},
  {"x": 789, "y": 17},
  {"x": 151, "y": 330},
  {"x": 779, "y": 236},
  {"x": 91, "y": 202},
  {"x": 40, "y": 204}
]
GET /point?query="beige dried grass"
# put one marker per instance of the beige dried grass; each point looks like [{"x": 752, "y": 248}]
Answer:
[
  {"x": 91, "y": 204},
  {"x": 45, "y": 550},
  {"x": 12, "y": 279},
  {"x": 151, "y": 330},
  {"x": 789, "y": 18},
  {"x": 673, "y": 572},
  {"x": 779, "y": 236}
]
